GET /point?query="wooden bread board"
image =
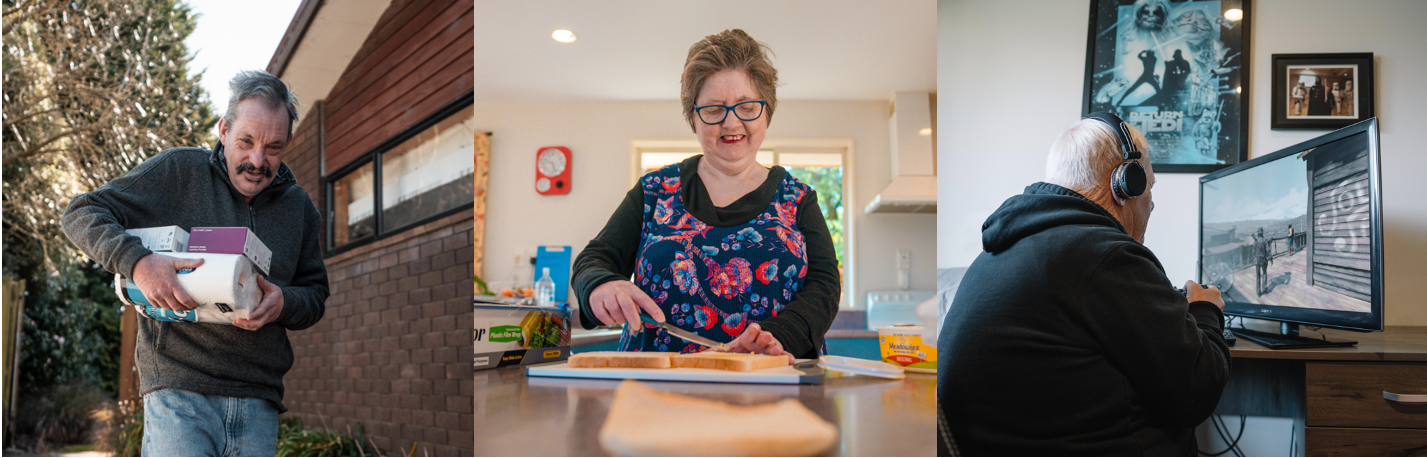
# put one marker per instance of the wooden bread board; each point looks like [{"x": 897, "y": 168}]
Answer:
[
  {"x": 804, "y": 371},
  {"x": 692, "y": 426}
]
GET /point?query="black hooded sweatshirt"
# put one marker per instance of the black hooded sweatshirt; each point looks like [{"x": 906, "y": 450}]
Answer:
[{"x": 1066, "y": 338}]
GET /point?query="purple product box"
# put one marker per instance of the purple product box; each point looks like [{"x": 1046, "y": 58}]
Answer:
[{"x": 231, "y": 240}]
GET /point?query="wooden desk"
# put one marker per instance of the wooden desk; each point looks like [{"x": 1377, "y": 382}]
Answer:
[{"x": 1335, "y": 395}]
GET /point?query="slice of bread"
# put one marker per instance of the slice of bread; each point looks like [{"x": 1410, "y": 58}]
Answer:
[
  {"x": 728, "y": 361},
  {"x": 647, "y": 422},
  {"x": 647, "y": 359}
]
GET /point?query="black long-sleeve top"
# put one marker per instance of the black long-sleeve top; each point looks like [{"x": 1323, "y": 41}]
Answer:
[{"x": 800, "y": 326}]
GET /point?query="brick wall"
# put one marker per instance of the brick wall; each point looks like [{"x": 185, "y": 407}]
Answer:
[
  {"x": 303, "y": 156},
  {"x": 393, "y": 351}
]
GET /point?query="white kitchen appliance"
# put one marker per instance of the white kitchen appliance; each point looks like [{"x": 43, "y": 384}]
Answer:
[{"x": 889, "y": 308}]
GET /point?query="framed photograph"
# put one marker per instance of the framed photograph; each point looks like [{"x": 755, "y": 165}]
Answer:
[
  {"x": 1321, "y": 91},
  {"x": 1177, "y": 71}
]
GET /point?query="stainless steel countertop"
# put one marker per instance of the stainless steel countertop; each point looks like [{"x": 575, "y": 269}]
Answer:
[
  {"x": 516, "y": 415},
  {"x": 580, "y": 337}
]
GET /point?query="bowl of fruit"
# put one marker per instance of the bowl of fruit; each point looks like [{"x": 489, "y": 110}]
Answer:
[{"x": 505, "y": 292}]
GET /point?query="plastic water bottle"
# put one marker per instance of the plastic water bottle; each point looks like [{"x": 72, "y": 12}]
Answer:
[{"x": 545, "y": 290}]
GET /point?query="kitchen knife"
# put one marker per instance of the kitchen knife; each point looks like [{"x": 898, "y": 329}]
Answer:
[{"x": 682, "y": 334}]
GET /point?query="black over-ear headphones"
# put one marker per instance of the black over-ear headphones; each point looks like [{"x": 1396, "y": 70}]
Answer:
[{"x": 1129, "y": 179}]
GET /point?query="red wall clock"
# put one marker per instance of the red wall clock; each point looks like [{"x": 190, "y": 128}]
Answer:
[{"x": 552, "y": 170}]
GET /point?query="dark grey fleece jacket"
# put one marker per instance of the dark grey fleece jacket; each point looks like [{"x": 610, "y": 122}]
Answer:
[{"x": 189, "y": 187}]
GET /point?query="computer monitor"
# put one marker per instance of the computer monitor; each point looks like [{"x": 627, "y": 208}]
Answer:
[{"x": 1296, "y": 236}]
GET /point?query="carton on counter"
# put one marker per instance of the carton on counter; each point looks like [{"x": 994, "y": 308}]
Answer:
[
  {"x": 172, "y": 239},
  {"x": 514, "y": 335},
  {"x": 231, "y": 240}
]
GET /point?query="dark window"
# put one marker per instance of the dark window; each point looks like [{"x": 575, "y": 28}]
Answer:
[
  {"x": 429, "y": 173},
  {"x": 424, "y": 173},
  {"x": 352, "y": 211}
]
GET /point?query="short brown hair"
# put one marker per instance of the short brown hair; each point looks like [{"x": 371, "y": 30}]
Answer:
[{"x": 728, "y": 50}]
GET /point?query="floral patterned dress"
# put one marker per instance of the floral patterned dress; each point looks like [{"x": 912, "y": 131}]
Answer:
[{"x": 713, "y": 280}]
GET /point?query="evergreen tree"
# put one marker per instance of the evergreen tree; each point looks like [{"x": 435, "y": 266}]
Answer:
[{"x": 91, "y": 89}]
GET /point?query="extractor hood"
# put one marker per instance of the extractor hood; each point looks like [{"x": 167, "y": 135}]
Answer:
[{"x": 913, "y": 186}]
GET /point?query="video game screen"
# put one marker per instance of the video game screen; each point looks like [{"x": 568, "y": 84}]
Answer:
[{"x": 1293, "y": 232}]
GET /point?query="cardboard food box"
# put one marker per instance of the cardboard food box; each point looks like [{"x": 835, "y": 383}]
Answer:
[
  {"x": 172, "y": 239},
  {"x": 515, "y": 335},
  {"x": 231, "y": 240}
]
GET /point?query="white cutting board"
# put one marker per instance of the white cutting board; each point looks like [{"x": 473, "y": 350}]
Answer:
[{"x": 805, "y": 371}]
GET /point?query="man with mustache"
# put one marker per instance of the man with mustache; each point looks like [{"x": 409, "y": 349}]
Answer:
[{"x": 211, "y": 389}]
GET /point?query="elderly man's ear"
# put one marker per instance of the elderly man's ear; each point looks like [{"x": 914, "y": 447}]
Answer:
[{"x": 1115, "y": 195}]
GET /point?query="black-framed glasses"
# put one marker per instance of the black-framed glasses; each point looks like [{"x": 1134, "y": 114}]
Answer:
[{"x": 716, "y": 114}]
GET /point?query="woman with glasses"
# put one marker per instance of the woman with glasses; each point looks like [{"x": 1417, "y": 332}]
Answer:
[{"x": 717, "y": 244}]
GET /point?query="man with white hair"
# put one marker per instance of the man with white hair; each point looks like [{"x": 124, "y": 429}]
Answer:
[{"x": 1065, "y": 336}]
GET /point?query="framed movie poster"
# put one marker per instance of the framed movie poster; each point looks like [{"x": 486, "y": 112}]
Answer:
[
  {"x": 1177, "y": 71},
  {"x": 1321, "y": 91}
]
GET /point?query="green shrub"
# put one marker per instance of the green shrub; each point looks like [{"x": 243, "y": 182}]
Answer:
[
  {"x": 121, "y": 428},
  {"x": 292, "y": 440},
  {"x": 121, "y": 432},
  {"x": 70, "y": 330},
  {"x": 58, "y": 416}
]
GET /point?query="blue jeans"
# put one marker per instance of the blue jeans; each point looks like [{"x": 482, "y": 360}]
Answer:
[{"x": 184, "y": 423}]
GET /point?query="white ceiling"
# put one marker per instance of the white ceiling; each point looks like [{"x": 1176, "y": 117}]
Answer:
[{"x": 635, "y": 49}]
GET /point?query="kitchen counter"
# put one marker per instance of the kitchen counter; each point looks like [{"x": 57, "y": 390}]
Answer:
[
  {"x": 593, "y": 336},
  {"x": 516, "y": 415},
  {"x": 581, "y": 337}
]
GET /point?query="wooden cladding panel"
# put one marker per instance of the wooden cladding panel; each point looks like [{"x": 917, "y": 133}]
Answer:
[
  {"x": 1334, "y": 233},
  {"x": 392, "y": 28},
  {"x": 1344, "y": 278},
  {"x": 378, "y": 130},
  {"x": 1329, "y": 174},
  {"x": 414, "y": 42},
  {"x": 1342, "y": 242},
  {"x": 405, "y": 72},
  {"x": 421, "y": 81},
  {"x": 1352, "y": 182}
]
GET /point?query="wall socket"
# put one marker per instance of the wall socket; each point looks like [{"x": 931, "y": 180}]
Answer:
[{"x": 904, "y": 269}]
